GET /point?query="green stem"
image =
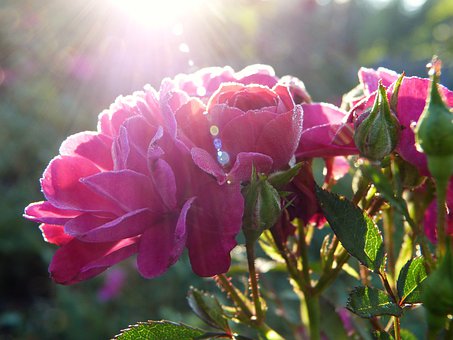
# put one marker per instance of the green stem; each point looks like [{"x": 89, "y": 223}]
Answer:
[
  {"x": 330, "y": 276},
  {"x": 441, "y": 193},
  {"x": 314, "y": 316},
  {"x": 311, "y": 300},
  {"x": 304, "y": 254},
  {"x": 250, "y": 247},
  {"x": 396, "y": 327},
  {"x": 388, "y": 242}
]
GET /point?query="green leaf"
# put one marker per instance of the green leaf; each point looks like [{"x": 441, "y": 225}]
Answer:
[
  {"x": 407, "y": 335},
  {"x": 367, "y": 302},
  {"x": 208, "y": 308},
  {"x": 410, "y": 279},
  {"x": 162, "y": 330},
  {"x": 356, "y": 231}
]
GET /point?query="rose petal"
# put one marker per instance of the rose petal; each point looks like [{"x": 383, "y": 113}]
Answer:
[
  {"x": 63, "y": 189},
  {"x": 324, "y": 134},
  {"x": 208, "y": 164},
  {"x": 245, "y": 162},
  {"x": 89, "y": 228},
  {"x": 129, "y": 189},
  {"x": 45, "y": 212},
  {"x": 155, "y": 248},
  {"x": 55, "y": 234},
  {"x": 280, "y": 137},
  {"x": 90, "y": 145},
  {"x": 77, "y": 261},
  {"x": 214, "y": 221}
]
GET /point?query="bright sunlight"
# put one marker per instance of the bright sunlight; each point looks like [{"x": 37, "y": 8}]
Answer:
[{"x": 157, "y": 13}]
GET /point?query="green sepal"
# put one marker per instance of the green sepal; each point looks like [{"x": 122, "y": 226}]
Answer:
[{"x": 280, "y": 179}]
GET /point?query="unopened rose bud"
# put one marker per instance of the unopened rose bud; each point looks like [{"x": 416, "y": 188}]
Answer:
[
  {"x": 434, "y": 130},
  {"x": 262, "y": 207},
  {"x": 377, "y": 130}
]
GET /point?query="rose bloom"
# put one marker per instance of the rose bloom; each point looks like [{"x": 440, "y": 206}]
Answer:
[
  {"x": 412, "y": 97},
  {"x": 163, "y": 173}
]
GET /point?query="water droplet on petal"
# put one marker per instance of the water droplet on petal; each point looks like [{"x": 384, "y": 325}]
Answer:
[
  {"x": 214, "y": 130},
  {"x": 217, "y": 143},
  {"x": 223, "y": 157}
]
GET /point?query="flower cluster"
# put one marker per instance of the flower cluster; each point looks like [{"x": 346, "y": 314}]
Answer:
[{"x": 164, "y": 170}]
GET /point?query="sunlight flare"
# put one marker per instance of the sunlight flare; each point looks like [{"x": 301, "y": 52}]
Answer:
[{"x": 156, "y": 13}]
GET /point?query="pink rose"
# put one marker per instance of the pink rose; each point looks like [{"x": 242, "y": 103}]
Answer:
[
  {"x": 240, "y": 126},
  {"x": 132, "y": 188}
]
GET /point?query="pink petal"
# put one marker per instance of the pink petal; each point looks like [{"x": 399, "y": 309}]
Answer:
[
  {"x": 241, "y": 133},
  {"x": 77, "y": 261},
  {"x": 286, "y": 101},
  {"x": 207, "y": 163},
  {"x": 214, "y": 221},
  {"x": 45, "y": 212},
  {"x": 280, "y": 137},
  {"x": 165, "y": 183},
  {"x": 245, "y": 161},
  {"x": 370, "y": 78},
  {"x": 181, "y": 231},
  {"x": 193, "y": 125},
  {"x": 324, "y": 134},
  {"x": 55, "y": 234},
  {"x": 63, "y": 189},
  {"x": 155, "y": 249},
  {"x": 90, "y": 145},
  {"x": 131, "y": 147},
  {"x": 88, "y": 228},
  {"x": 129, "y": 189}
]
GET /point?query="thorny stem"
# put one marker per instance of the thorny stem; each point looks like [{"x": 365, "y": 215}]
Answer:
[
  {"x": 225, "y": 283},
  {"x": 267, "y": 332},
  {"x": 250, "y": 247}
]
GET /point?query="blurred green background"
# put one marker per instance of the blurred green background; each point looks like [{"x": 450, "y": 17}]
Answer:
[{"x": 62, "y": 62}]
